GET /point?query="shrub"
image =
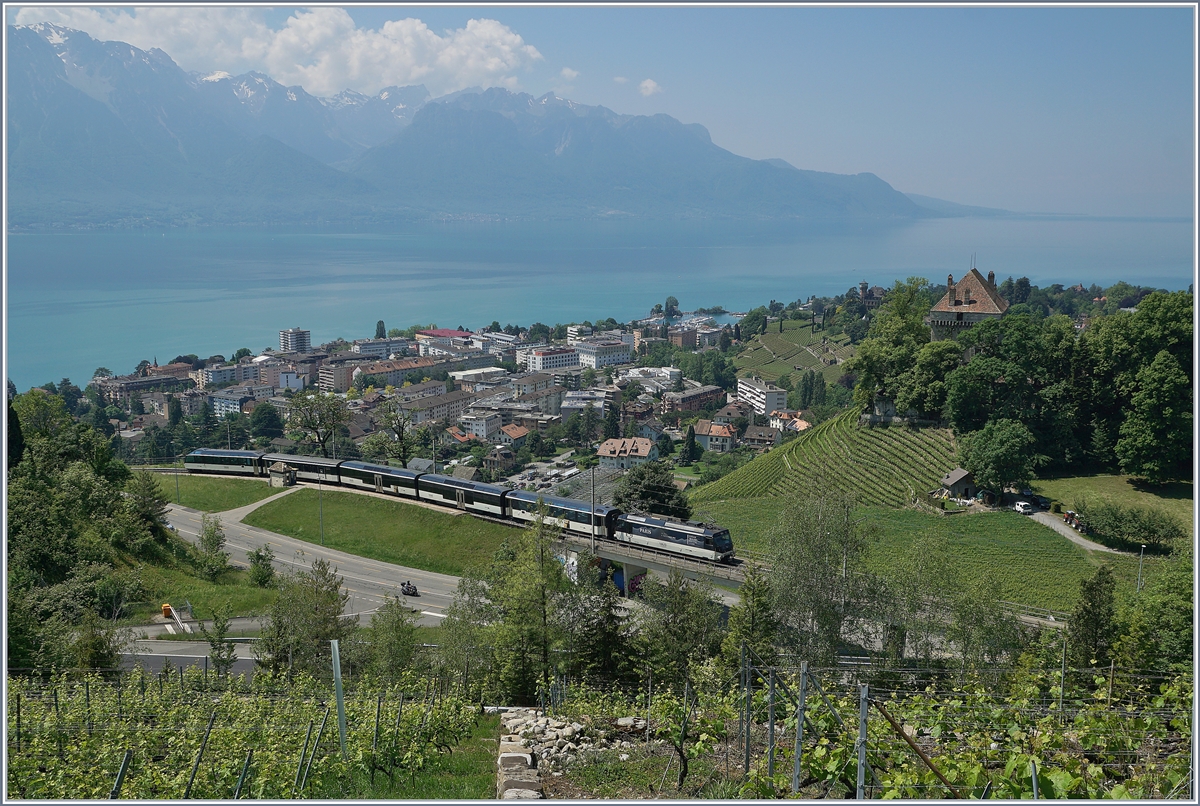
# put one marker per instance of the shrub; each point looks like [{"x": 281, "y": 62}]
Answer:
[{"x": 1056, "y": 507}]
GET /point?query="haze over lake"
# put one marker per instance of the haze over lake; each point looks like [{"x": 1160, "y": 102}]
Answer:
[{"x": 112, "y": 298}]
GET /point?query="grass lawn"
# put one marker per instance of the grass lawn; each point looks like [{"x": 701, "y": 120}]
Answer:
[
  {"x": 391, "y": 531},
  {"x": 209, "y": 494},
  {"x": 1030, "y": 564},
  {"x": 1174, "y": 498},
  {"x": 468, "y": 773},
  {"x": 170, "y": 585}
]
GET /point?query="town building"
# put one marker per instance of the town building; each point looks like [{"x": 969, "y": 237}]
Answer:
[
  {"x": 191, "y": 401},
  {"x": 623, "y": 454},
  {"x": 221, "y": 374},
  {"x": 446, "y": 407},
  {"x": 228, "y": 402},
  {"x": 600, "y": 353},
  {"x": 577, "y": 333},
  {"x": 417, "y": 391},
  {"x": 684, "y": 339},
  {"x": 481, "y": 425},
  {"x": 499, "y": 460},
  {"x": 513, "y": 436},
  {"x": 547, "y": 401},
  {"x": 535, "y": 382},
  {"x": 180, "y": 371},
  {"x": 762, "y": 436},
  {"x": 695, "y": 399},
  {"x": 336, "y": 377},
  {"x": 967, "y": 303},
  {"x": 762, "y": 396},
  {"x": 396, "y": 371},
  {"x": 717, "y": 437},
  {"x": 871, "y": 297},
  {"x": 576, "y": 402},
  {"x": 548, "y": 358},
  {"x": 379, "y": 348},
  {"x": 122, "y": 388},
  {"x": 295, "y": 340}
]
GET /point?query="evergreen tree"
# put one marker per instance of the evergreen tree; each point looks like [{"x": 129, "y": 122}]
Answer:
[
  {"x": 262, "y": 566},
  {"x": 174, "y": 412},
  {"x": 690, "y": 451},
  {"x": 145, "y": 499},
  {"x": 751, "y": 621},
  {"x": 265, "y": 422},
  {"x": 612, "y": 422},
  {"x": 1093, "y": 629},
  {"x": 211, "y": 557},
  {"x": 220, "y": 649},
  {"x": 380, "y": 330},
  {"x": 737, "y": 331},
  {"x": 666, "y": 445},
  {"x": 1155, "y": 440},
  {"x": 305, "y": 617},
  {"x": 679, "y": 627},
  {"x": 393, "y": 638},
  {"x": 818, "y": 389},
  {"x": 16, "y": 440}
]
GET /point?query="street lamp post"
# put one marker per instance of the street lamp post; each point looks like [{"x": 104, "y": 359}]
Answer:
[
  {"x": 321, "y": 507},
  {"x": 1141, "y": 556},
  {"x": 176, "y": 474}
]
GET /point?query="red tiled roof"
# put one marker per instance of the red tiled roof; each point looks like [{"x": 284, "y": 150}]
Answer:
[
  {"x": 983, "y": 296},
  {"x": 515, "y": 431},
  {"x": 634, "y": 446}
]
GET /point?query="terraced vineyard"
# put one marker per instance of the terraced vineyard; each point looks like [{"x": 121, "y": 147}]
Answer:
[
  {"x": 773, "y": 354},
  {"x": 880, "y": 466}
]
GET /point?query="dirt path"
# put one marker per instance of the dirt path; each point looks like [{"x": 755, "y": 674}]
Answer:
[{"x": 1056, "y": 523}]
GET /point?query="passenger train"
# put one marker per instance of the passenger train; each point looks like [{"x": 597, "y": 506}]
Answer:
[{"x": 687, "y": 538}]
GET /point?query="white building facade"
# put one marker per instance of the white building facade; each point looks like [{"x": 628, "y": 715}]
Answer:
[
  {"x": 600, "y": 353},
  {"x": 762, "y": 396}
]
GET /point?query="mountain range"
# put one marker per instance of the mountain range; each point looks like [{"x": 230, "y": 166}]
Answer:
[{"x": 106, "y": 134}]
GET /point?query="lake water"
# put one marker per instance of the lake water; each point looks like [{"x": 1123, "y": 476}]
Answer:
[{"x": 77, "y": 301}]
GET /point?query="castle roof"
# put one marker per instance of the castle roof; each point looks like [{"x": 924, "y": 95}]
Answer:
[{"x": 972, "y": 294}]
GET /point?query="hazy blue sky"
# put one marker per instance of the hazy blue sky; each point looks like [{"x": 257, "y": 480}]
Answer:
[{"x": 1073, "y": 110}]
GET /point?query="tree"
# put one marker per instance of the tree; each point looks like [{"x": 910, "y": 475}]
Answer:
[
  {"x": 672, "y": 307},
  {"x": 16, "y": 440},
  {"x": 240, "y": 353},
  {"x": 999, "y": 455},
  {"x": 524, "y": 584},
  {"x": 650, "y": 487},
  {"x": 612, "y": 422},
  {"x": 725, "y": 340},
  {"x": 102, "y": 372},
  {"x": 174, "y": 412},
  {"x": 1158, "y": 632},
  {"x": 318, "y": 414},
  {"x": 391, "y": 415},
  {"x": 691, "y": 450},
  {"x": 592, "y": 620},
  {"x": 262, "y": 566},
  {"x": 1093, "y": 628},
  {"x": 145, "y": 499},
  {"x": 817, "y": 556},
  {"x": 666, "y": 445},
  {"x": 679, "y": 627},
  {"x": 265, "y": 421},
  {"x": 96, "y": 644},
  {"x": 751, "y": 621},
  {"x": 380, "y": 330},
  {"x": 42, "y": 415},
  {"x": 211, "y": 557},
  {"x": 220, "y": 649},
  {"x": 393, "y": 638},
  {"x": 1155, "y": 440},
  {"x": 304, "y": 618}
]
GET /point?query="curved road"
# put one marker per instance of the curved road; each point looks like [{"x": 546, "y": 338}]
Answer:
[{"x": 369, "y": 582}]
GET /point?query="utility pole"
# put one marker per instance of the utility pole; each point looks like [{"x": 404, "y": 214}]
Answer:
[
  {"x": 321, "y": 506},
  {"x": 176, "y": 474},
  {"x": 593, "y": 514},
  {"x": 1141, "y": 556}
]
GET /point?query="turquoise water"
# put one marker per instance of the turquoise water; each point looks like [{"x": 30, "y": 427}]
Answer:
[{"x": 77, "y": 301}]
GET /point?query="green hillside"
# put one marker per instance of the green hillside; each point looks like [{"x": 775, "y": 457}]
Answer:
[
  {"x": 879, "y": 465},
  {"x": 773, "y": 354}
]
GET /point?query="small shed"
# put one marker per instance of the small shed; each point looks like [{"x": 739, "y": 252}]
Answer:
[
  {"x": 959, "y": 483},
  {"x": 281, "y": 475}
]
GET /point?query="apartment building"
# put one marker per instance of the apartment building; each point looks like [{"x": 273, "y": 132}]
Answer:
[
  {"x": 762, "y": 396},
  {"x": 379, "y": 348},
  {"x": 447, "y": 407},
  {"x": 295, "y": 340},
  {"x": 623, "y": 454},
  {"x": 600, "y": 353},
  {"x": 693, "y": 399},
  {"x": 482, "y": 425},
  {"x": 548, "y": 358}
]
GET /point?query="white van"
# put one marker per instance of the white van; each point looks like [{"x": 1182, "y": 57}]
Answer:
[{"x": 1024, "y": 507}]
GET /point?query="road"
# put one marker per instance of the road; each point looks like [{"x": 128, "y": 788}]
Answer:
[
  {"x": 368, "y": 582},
  {"x": 1056, "y": 523}
]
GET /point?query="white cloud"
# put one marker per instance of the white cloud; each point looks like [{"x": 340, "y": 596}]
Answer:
[
  {"x": 321, "y": 49},
  {"x": 568, "y": 74},
  {"x": 620, "y": 79},
  {"x": 649, "y": 87}
]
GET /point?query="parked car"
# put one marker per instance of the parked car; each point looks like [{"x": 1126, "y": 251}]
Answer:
[{"x": 1023, "y": 507}]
